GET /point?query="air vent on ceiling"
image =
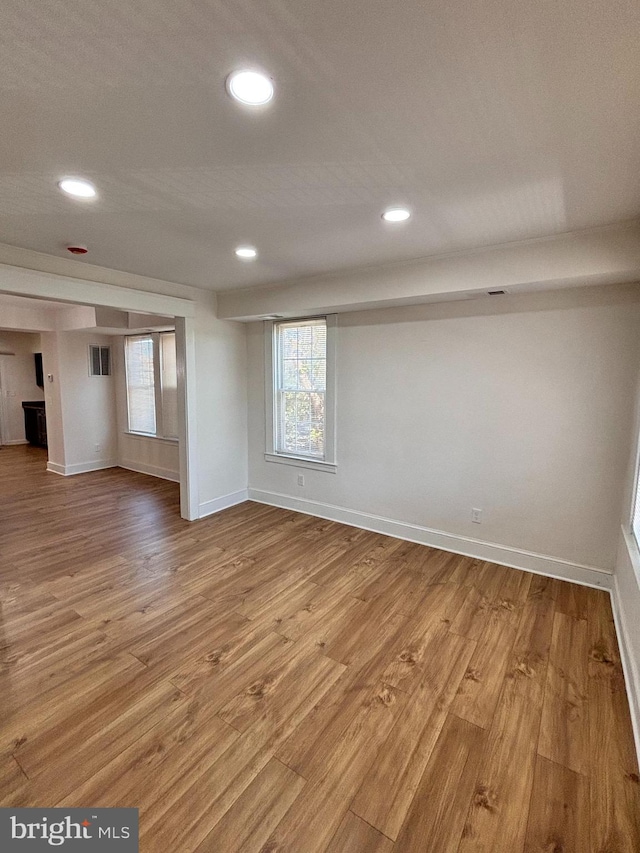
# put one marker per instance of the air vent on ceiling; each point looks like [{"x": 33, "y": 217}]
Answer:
[
  {"x": 99, "y": 360},
  {"x": 496, "y": 292}
]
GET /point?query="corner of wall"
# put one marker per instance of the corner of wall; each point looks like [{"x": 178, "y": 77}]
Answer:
[
  {"x": 625, "y": 601},
  {"x": 221, "y": 401}
]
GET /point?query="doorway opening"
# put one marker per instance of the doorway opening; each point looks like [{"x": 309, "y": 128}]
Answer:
[{"x": 87, "y": 388}]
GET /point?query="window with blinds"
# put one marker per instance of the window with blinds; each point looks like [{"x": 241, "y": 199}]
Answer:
[
  {"x": 141, "y": 394},
  {"x": 300, "y": 385},
  {"x": 168, "y": 384},
  {"x": 152, "y": 384}
]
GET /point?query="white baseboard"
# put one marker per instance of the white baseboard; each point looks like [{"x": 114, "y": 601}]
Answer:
[
  {"x": 151, "y": 470},
  {"x": 224, "y": 502},
  {"x": 505, "y": 555},
  {"x": 629, "y": 664},
  {"x": 85, "y": 467},
  {"x": 80, "y": 467},
  {"x": 54, "y": 468},
  {"x": 13, "y": 441}
]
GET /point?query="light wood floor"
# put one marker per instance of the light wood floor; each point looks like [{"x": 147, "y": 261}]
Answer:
[{"x": 266, "y": 681}]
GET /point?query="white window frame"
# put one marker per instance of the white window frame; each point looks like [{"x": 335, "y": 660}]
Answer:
[
  {"x": 329, "y": 463},
  {"x": 635, "y": 494},
  {"x": 157, "y": 388},
  {"x": 90, "y": 360}
]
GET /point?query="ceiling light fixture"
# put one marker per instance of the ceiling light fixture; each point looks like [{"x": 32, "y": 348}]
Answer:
[
  {"x": 250, "y": 87},
  {"x": 77, "y": 187},
  {"x": 247, "y": 253},
  {"x": 396, "y": 214}
]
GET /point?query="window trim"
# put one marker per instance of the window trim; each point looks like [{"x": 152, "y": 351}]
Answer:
[
  {"x": 634, "y": 491},
  {"x": 329, "y": 463},
  {"x": 90, "y": 360},
  {"x": 159, "y": 434},
  {"x": 151, "y": 436},
  {"x": 628, "y": 529}
]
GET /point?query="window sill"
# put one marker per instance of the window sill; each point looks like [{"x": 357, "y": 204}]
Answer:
[
  {"x": 302, "y": 462},
  {"x": 152, "y": 437}
]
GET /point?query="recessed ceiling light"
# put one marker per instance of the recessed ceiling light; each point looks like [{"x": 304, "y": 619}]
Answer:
[
  {"x": 77, "y": 187},
  {"x": 247, "y": 253},
  {"x": 250, "y": 87},
  {"x": 396, "y": 214}
]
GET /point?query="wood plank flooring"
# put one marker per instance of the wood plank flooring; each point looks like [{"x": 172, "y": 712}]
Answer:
[{"x": 262, "y": 681}]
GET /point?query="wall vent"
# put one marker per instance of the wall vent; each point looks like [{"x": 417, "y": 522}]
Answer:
[
  {"x": 496, "y": 292},
  {"x": 99, "y": 360}
]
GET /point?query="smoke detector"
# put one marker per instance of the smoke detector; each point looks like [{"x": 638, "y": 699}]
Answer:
[{"x": 77, "y": 250}]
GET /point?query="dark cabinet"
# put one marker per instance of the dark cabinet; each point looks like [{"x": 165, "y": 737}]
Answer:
[
  {"x": 35, "y": 423},
  {"x": 39, "y": 372}
]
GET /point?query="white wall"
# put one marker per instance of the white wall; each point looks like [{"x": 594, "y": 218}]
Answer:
[
  {"x": 627, "y": 602},
  {"x": 81, "y": 411},
  {"x": 17, "y": 383},
  {"x": 53, "y": 399},
  {"x": 88, "y": 403},
  {"x": 521, "y": 407},
  {"x": 221, "y": 407},
  {"x": 155, "y": 456},
  {"x": 627, "y": 578}
]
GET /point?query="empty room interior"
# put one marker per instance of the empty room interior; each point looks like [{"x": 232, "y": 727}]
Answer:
[{"x": 320, "y": 426}]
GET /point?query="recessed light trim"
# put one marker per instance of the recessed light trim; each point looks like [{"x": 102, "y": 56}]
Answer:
[
  {"x": 250, "y": 87},
  {"x": 77, "y": 187},
  {"x": 396, "y": 214},
  {"x": 247, "y": 253}
]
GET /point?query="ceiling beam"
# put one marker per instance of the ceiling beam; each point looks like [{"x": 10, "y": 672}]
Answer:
[
  {"x": 21, "y": 281},
  {"x": 598, "y": 256}
]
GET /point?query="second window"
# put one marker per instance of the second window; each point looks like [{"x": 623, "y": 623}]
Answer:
[{"x": 152, "y": 384}]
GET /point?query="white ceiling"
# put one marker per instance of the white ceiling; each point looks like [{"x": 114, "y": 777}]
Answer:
[{"x": 494, "y": 121}]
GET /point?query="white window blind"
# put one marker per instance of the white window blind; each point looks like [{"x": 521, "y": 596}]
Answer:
[
  {"x": 635, "y": 524},
  {"x": 141, "y": 400},
  {"x": 169, "y": 384},
  {"x": 300, "y": 385}
]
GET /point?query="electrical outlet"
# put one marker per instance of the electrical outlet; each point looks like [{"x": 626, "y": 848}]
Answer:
[
  {"x": 301, "y": 479},
  {"x": 476, "y": 516},
  {"x": 97, "y": 448}
]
